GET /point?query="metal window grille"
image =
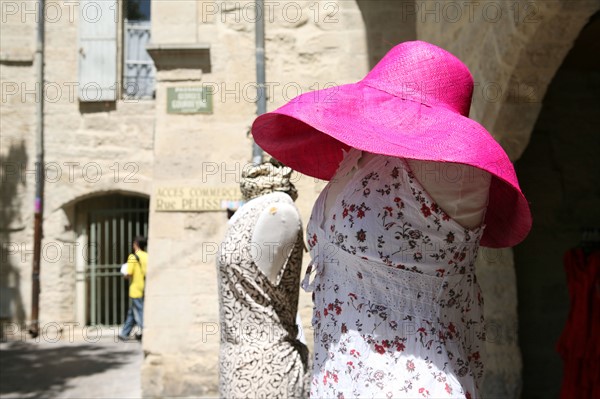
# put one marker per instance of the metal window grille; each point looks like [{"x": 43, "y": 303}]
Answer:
[
  {"x": 139, "y": 71},
  {"x": 111, "y": 232}
]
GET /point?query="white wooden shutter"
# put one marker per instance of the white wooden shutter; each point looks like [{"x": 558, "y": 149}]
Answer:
[{"x": 98, "y": 50}]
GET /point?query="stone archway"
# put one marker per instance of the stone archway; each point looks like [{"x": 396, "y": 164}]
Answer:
[
  {"x": 559, "y": 172},
  {"x": 519, "y": 54},
  {"x": 535, "y": 61},
  {"x": 512, "y": 58},
  {"x": 527, "y": 65}
]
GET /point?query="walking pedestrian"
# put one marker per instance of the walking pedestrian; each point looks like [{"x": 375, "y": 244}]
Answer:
[{"x": 137, "y": 264}]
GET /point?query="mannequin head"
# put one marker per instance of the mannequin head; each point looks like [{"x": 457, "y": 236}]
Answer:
[{"x": 266, "y": 178}]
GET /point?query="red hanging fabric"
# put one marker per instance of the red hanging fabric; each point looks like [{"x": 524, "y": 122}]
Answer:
[{"x": 579, "y": 343}]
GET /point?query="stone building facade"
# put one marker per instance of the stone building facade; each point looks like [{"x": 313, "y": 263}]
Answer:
[{"x": 146, "y": 150}]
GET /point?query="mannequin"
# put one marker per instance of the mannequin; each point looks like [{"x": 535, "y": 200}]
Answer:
[
  {"x": 259, "y": 269},
  {"x": 398, "y": 311},
  {"x": 376, "y": 210}
]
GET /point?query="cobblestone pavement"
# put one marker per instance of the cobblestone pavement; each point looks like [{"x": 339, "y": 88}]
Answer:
[{"x": 90, "y": 367}]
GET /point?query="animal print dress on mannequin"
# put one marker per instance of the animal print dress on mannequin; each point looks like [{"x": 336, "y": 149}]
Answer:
[{"x": 260, "y": 356}]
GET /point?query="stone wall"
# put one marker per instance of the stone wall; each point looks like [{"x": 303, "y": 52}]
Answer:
[
  {"x": 97, "y": 139},
  {"x": 86, "y": 147},
  {"x": 17, "y": 156}
]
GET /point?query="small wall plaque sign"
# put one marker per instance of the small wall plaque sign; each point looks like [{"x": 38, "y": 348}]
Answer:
[{"x": 189, "y": 100}]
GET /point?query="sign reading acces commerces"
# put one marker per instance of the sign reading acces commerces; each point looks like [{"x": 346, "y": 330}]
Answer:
[{"x": 194, "y": 199}]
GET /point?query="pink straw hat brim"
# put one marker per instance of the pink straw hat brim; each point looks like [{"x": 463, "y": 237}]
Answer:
[{"x": 309, "y": 133}]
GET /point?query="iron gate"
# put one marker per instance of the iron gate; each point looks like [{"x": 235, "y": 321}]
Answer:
[{"x": 111, "y": 232}]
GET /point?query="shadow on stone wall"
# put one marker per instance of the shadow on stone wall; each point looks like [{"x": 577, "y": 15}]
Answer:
[
  {"x": 13, "y": 164},
  {"x": 387, "y": 22}
]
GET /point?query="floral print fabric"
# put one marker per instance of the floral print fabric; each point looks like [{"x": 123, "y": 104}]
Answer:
[{"x": 397, "y": 308}]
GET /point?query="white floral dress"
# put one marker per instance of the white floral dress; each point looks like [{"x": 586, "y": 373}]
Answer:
[{"x": 397, "y": 308}]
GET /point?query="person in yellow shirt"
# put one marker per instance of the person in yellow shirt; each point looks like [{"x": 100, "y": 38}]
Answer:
[{"x": 137, "y": 264}]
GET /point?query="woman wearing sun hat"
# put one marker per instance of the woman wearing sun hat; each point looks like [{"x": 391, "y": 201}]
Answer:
[{"x": 415, "y": 187}]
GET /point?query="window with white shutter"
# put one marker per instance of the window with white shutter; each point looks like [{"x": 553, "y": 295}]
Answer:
[{"x": 98, "y": 50}]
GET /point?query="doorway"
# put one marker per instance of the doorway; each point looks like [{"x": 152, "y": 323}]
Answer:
[{"x": 108, "y": 225}]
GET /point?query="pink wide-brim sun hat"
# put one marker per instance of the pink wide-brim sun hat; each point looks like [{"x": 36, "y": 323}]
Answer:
[{"x": 413, "y": 104}]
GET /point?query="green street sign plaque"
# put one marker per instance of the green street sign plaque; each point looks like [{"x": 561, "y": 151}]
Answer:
[{"x": 189, "y": 100}]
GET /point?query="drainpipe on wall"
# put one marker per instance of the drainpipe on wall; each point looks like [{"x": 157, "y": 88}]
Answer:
[
  {"x": 261, "y": 105},
  {"x": 39, "y": 173}
]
